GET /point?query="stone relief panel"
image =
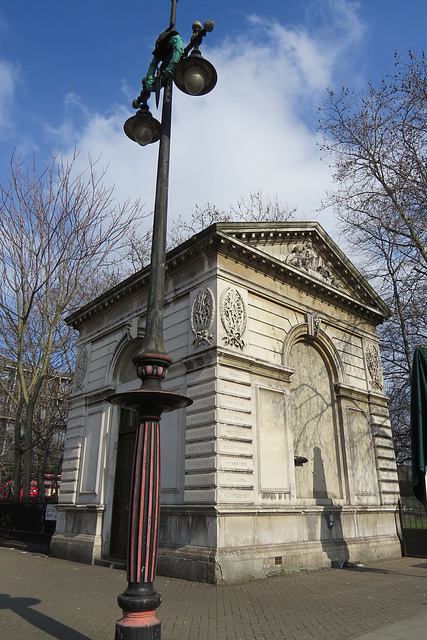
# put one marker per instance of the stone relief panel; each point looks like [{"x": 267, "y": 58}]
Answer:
[
  {"x": 373, "y": 363},
  {"x": 303, "y": 256},
  {"x": 272, "y": 442},
  {"x": 234, "y": 317},
  {"x": 80, "y": 370},
  {"x": 362, "y": 474},
  {"x": 202, "y": 316}
]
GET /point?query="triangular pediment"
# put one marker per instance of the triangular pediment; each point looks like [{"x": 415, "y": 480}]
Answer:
[
  {"x": 304, "y": 253},
  {"x": 300, "y": 253}
]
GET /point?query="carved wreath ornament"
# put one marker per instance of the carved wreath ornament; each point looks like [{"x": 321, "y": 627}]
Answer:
[
  {"x": 202, "y": 315},
  {"x": 233, "y": 317}
]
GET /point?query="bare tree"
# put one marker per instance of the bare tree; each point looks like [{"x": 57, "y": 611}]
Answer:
[
  {"x": 379, "y": 148},
  {"x": 255, "y": 208},
  {"x": 49, "y": 426},
  {"x": 61, "y": 234},
  {"x": 138, "y": 249}
]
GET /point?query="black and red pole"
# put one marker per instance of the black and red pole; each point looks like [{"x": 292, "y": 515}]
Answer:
[{"x": 140, "y": 600}]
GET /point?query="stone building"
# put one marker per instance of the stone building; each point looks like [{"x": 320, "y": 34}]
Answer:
[{"x": 285, "y": 458}]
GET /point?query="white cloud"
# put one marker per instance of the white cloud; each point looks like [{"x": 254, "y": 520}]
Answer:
[
  {"x": 254, "y": 131},
  {"x": 9, "y": 77}
]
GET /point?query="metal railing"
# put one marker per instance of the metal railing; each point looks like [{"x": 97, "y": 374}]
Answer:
[{"x": 413, "y": 519}]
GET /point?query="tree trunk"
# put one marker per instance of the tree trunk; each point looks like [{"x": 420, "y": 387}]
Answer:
[
  {"x": 17, "y": 455},
  {"x": 27, "y": 457}
]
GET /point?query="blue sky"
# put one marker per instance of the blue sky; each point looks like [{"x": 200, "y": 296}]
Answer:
[{"x": 69, "y": 70}]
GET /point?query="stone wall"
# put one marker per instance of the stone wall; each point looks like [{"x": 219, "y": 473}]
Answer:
[{"x": 274, "y": 338}]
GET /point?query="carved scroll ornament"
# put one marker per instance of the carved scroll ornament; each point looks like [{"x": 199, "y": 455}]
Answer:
[
  {"x": 313, "y": 324},
  {"x": 82, "y": 361},
  {"x": 373, "y": 362},
  {"x": 202, "y": 315}
]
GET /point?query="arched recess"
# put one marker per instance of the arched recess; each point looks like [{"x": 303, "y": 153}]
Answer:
[
  {"x": 122, "y": 370},
  {"x": 123, "y": 431},
  {"x": 315, "y": 421},
  {"x": 324, "y": 345},
  {"x": 122, "y": 376}
]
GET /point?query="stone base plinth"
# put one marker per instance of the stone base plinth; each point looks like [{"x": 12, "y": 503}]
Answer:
[{"x": 225, "y": 544}]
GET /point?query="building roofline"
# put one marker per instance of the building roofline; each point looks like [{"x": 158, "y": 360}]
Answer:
[{"x": 235, "y": 236}]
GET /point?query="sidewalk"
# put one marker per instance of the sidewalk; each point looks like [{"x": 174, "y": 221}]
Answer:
[{"x": 43, "y": 598}]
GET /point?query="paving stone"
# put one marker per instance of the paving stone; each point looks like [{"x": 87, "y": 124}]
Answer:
[{"x": 43, "y": 598}]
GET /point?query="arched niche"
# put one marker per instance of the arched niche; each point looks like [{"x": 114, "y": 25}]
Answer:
[
  {"x": 123, "y": 377},
  {"x": 122, "y": 370},
  {"x": 316, "y": 432}
]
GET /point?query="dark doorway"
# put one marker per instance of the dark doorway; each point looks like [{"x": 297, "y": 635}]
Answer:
[{"x": 122, "y": 483}]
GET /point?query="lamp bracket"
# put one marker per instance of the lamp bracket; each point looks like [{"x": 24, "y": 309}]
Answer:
[{"x": 199, "y": 33}]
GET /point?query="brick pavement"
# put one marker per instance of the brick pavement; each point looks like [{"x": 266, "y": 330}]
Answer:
[{"x": 43, "y": 598}]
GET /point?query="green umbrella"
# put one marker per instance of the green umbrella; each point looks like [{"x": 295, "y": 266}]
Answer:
[{"x": 419, "y": 423}]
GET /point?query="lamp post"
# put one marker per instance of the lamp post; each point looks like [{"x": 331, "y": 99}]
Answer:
[{"x": 196, "y": 76}]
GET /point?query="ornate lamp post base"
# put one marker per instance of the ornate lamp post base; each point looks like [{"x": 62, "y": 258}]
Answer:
[
  {"x": 140, "y": 600},
  {"x": 141, "y": 625}
]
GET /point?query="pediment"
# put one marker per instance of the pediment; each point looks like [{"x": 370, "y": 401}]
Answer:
[
  {"x": 300, "y": 253},
  {"x": 304, "y": 253}
]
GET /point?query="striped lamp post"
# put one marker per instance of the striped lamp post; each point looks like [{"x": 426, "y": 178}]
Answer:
[{"x": 172, "y": 62}]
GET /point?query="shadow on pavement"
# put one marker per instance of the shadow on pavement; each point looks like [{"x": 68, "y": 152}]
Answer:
[
  {"x": 362, "y": 569},
  {"x": 22, "y": 608}
]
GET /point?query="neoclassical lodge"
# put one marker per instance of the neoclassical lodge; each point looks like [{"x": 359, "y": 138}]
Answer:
[{"x": 285, "y": 458}]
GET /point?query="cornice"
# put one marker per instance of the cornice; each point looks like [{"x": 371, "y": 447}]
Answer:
[
  {"x": 219, "y": 356},
  {"x": 243, "y": 242}
]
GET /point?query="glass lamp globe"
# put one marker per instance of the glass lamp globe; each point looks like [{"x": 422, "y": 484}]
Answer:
[
  {"x": 143, "y": 128},
  {"x": 194, "y": 80},
  {"x": 195, "y": 75},
  {"x": 142, "y": 132}
]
